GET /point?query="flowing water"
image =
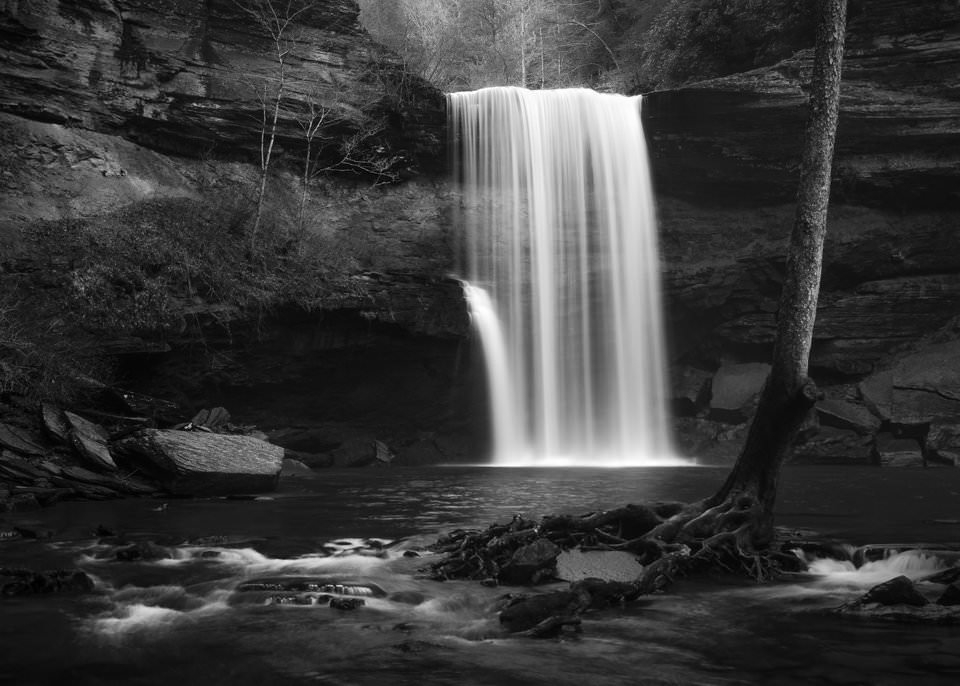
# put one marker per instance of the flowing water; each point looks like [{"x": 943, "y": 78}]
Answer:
[
  {"x": 241, "y": 598},
  {"x": 564, "y": 274}
]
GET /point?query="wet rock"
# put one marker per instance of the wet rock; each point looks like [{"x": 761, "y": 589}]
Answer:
[
  {"x": 90, "y": 442},
  {"x": 200, "y": 463},
  {"x": 524, "y": 613},
  {"x": 942, "y": 445},
  {"x": 23, "y": 582},
  {"x": 951, "y": 596},
  {"x": 296, "y": 469},
  {"x": 531, "y": 563},
  {"x": 734, "y": 391},
  {"x": 354, "y": 452},
  {"x": 877, "y": 393},
  {"x": 897, "y": 591},
  {"x": 604, "y": 593},
  {"x": 347, "y": 603},
  {"x": 897, "y": 452},
  {"x": 20, "y": 470},
  {"x": 8, "y": 533},
  {"x": 143, "y": 551}
]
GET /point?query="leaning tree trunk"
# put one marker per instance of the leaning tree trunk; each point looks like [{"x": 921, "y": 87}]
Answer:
[{"x": 789, "y": 393}]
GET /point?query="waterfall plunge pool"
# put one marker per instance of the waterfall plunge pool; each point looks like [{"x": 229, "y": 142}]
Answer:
[{"x": 182, "y": 620}]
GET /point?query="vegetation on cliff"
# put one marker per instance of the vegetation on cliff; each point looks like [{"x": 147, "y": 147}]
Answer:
[{"x": 622, "y": 45}]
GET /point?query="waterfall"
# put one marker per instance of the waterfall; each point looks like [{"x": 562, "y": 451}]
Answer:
[{"x": 560, "y": 251}]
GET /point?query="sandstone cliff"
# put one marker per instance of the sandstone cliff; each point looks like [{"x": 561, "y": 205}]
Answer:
[{"x": 725, "y": 155}]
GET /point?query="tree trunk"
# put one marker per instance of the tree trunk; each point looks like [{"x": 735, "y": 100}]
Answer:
[{"x": 789, "y": 393}]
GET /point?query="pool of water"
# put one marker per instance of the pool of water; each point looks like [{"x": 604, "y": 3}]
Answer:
[{"x": 188, "y": 620}]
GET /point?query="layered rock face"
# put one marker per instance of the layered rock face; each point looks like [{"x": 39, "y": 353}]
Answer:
[
  {"x": 185, "y": 77},
  {"x": 725, "y": 157},
  {"x": 114, "y": 111}
]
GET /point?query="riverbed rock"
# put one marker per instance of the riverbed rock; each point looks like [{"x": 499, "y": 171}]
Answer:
[
  {"x": 531, "y": 563},
  {"x": 942, "y": 445},
  {"x": 951, "y": 596},
  {"x": 25, "y": 582},
  {"x": 890, "y": 451},
  {"x": 200, "y": 463},
  {"x": 897, "y": 591},
  {"x": 735, "y": 389},
  {"x": 524, "y": 613}
]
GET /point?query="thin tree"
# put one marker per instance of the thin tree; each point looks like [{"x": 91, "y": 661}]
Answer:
[
  {"x": 739, "y": 516},
  {"x": 275, "y": 18}
]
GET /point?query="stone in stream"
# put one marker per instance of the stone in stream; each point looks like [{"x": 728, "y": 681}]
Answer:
[
  {"x": 531, "y": 564},
  {"x": 524, "y": 613},
  {"x": 22, "y": 582},
  {"x": 951, "y": 596},
  {"x": 942, "y": 445},
  {"x": 897, "y": 591},
  {"x": 200, "y": 463}
]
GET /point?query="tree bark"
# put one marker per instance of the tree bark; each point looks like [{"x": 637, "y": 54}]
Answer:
[{"x": 789, "y": 393}]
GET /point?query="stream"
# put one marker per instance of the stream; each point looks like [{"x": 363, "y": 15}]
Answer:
[{"x": 210, "y": 613}]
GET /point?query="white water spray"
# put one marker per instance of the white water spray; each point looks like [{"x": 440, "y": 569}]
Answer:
[{"x": 561, "y": 246}]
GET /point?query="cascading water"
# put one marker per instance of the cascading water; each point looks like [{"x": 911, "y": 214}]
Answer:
[{"x": 562, "y": 262}]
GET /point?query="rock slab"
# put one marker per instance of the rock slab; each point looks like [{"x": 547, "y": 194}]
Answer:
[{"x": 200, "y": 463}]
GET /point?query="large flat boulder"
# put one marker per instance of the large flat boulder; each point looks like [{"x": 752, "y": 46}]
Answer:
[
  {"x": 201, "y": 463},
  {"x": 735, "y": 389}
]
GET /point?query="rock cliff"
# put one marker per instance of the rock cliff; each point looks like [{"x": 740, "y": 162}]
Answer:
[{"x": 725, "y": 156}]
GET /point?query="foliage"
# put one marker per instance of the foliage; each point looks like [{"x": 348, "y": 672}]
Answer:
[
  {"x": 628, "y": 45},
  {"x": 42, "y": 355},
  {"x": 142, "y": 268}
]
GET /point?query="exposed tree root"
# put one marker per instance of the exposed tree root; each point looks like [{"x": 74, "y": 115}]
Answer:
[{"x": 670, "y": 540}]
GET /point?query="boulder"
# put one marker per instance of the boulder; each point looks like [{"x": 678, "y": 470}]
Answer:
[
  {"x": 951, "y": 596},
  {"x": 877, "y": 393},
  {"x": 201, "y": 463},
  {"x": 354, "y": 452},
  {"x": 690, "y": 390},
  {"x": 524, "y": 613},
  {"x": 90, "y": 442},
  {"x": 846, "y": 415},
  {"x": 831, "y": 445},
  {"x": 734, "y": 390},
  {"x": 942, "y": 445},
  {"x": 926, "y": 385},
  {"x": 531, "y": 563},
  {"x": 890, "y": 451},
  {"x": 897, "y": 591}
]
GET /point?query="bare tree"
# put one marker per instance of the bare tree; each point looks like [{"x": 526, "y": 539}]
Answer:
[{"x": 276, "y": 19}]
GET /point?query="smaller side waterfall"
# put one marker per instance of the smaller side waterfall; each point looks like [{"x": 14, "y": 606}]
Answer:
[{"x": 563, "y": 267}]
